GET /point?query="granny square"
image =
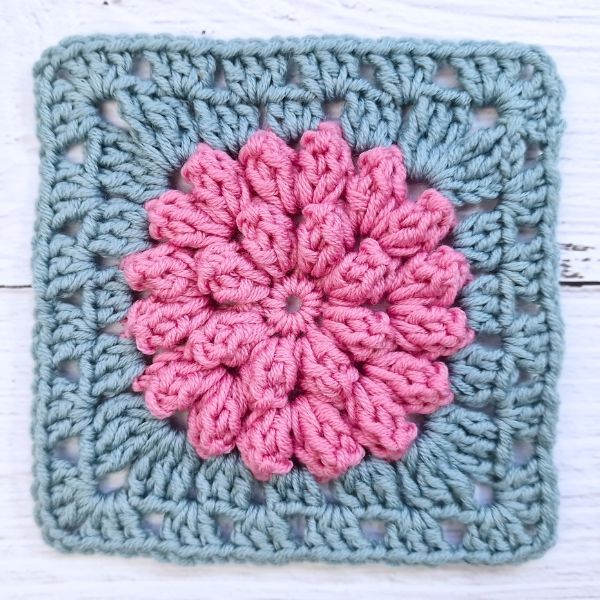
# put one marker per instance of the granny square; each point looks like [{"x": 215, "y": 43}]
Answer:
[{"x": 296, "y": 299}]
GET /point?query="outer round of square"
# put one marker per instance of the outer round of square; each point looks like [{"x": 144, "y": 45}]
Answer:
[{"x": 117, "y": 117}]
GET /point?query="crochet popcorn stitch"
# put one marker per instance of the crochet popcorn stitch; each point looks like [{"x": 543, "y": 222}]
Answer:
[{"x": 296, "y": 299}]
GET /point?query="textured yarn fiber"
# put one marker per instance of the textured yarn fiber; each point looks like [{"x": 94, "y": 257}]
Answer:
[{"x": 117, "y": 118}]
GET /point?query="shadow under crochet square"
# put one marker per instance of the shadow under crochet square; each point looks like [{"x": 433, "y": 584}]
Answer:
[{"x": 117, "y": 118}]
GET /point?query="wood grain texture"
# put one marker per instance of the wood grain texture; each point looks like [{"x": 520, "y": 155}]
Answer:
[{"x": 571, "y": 33}]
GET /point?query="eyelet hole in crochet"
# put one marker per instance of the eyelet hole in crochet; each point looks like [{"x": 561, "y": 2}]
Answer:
[
  {"x": 526, "y": 234},
  {"x": 333, "y": 109},
  {"x": 329, "y": 493},
  {"x": 526, "y": 72},
  {"x": 293, "y": 304},
  {"x": 419, "y": 420},
  {"x": 487, "y": 205},
  {"x": 109, "y": 111},
  {"x": 75, "y": 154},
  {"x": 62, "y": 74},
  {"x": 415, "y": 188},
  {"x": 178, "y": 421},
  {"x": 258, "y": 494},
  {"x": 141, "y": 68},
  {"x": 453, "y": 531},
  {"x": 526, "y": 307},
  {"x": 219, "y": 81},
  {"x": 367, "y": 72},
  {"x": 446, "y": 76},
  {"x": 114, "y": 481},
  {"x": 522, "y": 451},
  {"x": 152, "y": 522},
  {"x": 374, "y": 530},
  {"x": 484, "y": 117},
  {"x": 178, "y": 182},
  {"x": 297, "y": 526},
  {"x": 224, "y": 525},
  {"x": 106, "y": 262},
  {"x": 533, "y": 153},
  {"x": 293, "y": 76},
  {"x": 489, "y": 340},
  {"x": 483, "y": 494},
  {"x": 74, "y": 299},
  {"x": 263, "y": 117},
  {"x": 69, "y": 369},
  {"x": 68, "y": 450},
  {"x": 70, "y": 228},
  {"x": 115, "y": 329}
]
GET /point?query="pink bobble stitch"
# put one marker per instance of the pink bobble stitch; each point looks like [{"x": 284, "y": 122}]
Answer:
[
  {"x": 156, "y": 325},
  {"x": 270, "y": 373},
  {"x": 415, "y": 226},
  {"x": 230, "y": 277},
  {"x": 324, "y": 165},
  {"x": 268, "y": 237},
  {"x": 175, "y": 217},
  {"x": 380, "y": 424},
  {"x": 166, "y": 270},
  {"x": 214, "y": 422},
  {"x": 324, "y": 237},
  {"x": 434, "y": 278},
  {"x": 419, "y": 385},
  {"x": 218, "y": 182},
  {"x": 266, "y": 443},
  {"x": 323, "y": 439},
  {"x": 227, "y": 338},
  {"x": 270, "y": 168},
  {"x": 172, "y": 383},
  {"x": 361, "y": 277},
  {"x": 377, "y": 189}
]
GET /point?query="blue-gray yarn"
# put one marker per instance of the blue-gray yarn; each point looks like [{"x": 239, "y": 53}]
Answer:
[{"x": 174, "y": 92}]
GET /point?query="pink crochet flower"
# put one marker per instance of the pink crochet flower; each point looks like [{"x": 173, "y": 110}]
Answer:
[{"x": 298, "y": 305}]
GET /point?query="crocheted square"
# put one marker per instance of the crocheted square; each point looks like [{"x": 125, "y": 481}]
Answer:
[{"x": 377, "y": 218}]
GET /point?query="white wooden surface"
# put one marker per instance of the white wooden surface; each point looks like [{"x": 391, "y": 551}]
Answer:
[{"x": 571, "y": 33}]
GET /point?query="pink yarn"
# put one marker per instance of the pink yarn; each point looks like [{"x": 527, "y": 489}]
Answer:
[{"x": 298, "y": 305}]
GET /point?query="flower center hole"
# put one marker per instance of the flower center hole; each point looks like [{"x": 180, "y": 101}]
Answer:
[{"x": 293, "y": 304}]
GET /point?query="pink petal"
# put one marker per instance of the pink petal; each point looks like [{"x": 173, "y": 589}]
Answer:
[
  {"x": 358, "y": 330},
  {"x": 322, "y": 439},
  {"x": 324, "y": 165},
  {"x": 270, "y": 373},
  {"x": 215, "y": 421},
  {"x": 230, "y": 277},
  {"x": 218, "y": 182},
  {"x": 166, "y": 270},
  {"x": 269, "y": 237},
  {"x": 378, "y": 422},
  {"x": 270, "y": 169},
  {"x": 377, "y": 189},
  {"x": 227, "y": 338},
  {"x": 431, "y": 278},
  {"x": 361, "y": 276},
  {"x": 177, "y": 218},
  {"x": 324, "y": 237},
  {"x": 156, "y": 324},
  {"x": 419, "y": 385},
  {"x": 326, "y": 372},
  {"x": 265, "y": 443},
  {"x": 429, "y": 331},
  {"x": 173, "y": 383},
  {"x": 415, "y": 226}
]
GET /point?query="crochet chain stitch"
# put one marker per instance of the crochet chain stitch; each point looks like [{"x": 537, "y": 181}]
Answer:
[{"x": 110, "y": 477}]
